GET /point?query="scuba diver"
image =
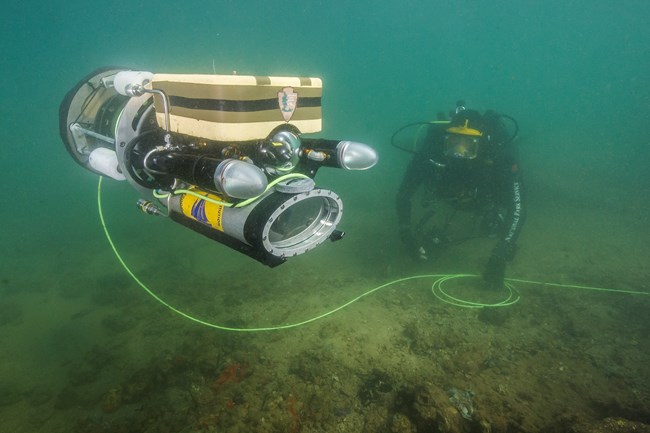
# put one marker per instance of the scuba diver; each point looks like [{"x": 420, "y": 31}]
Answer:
[{"x": 468, "y": 163}]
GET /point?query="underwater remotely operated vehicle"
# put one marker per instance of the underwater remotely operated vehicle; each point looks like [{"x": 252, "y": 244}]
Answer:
[{"x": 222, "y": 155}]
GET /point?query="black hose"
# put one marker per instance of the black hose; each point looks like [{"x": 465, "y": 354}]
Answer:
[
  {"x": 408, "y": 125},
  {"x": 516, "y": 125}
]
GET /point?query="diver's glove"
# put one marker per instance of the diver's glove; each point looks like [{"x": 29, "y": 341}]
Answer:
[
  {"x": 432, "y": 244},
  {"x": 415, "y": 251},
  {"x": 494, "y": 273},
  {"x": 495, "y": 269}
]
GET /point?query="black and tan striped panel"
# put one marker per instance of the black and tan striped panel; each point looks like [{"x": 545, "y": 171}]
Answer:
[{"x": 236, "y": 107}]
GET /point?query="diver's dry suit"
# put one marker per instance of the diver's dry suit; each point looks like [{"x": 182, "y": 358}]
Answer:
[{"x": 489, "y": 184}]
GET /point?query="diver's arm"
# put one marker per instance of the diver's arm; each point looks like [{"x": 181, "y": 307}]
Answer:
[
  {"x": 517, "y": 209},
  {"x": 412, "y": 180},
  {"x": 504, "y": 250}
]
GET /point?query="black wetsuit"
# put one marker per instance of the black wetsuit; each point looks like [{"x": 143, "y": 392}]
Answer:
[{"x": 489, "y": 183}]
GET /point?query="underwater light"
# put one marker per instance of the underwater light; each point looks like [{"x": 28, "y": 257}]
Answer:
[{"x": 223, "y": 155}]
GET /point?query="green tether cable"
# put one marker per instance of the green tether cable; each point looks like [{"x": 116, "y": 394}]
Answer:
[
  {"x": 214, "y": 325},
  {"x": 436, "y": 289},
  {"x": 226, "y": 204},
  {"x": 576, "y": 286}
]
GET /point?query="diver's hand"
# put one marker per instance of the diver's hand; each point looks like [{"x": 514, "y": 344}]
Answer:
[
  {"x": 415, "y": 251},
  {"x": 495, "y": 272},
  {"x": 495, "y": 269}
]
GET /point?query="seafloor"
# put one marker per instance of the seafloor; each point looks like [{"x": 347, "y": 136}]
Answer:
[{"x": 86, "y": 350}]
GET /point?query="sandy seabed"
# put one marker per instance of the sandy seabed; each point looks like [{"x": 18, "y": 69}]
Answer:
[{"x": 85, "y": 349}]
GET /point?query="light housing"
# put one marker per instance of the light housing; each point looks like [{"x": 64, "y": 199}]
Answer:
[
  {"x": 355, "y": 156},
  {"x": 239, "y": 179}
]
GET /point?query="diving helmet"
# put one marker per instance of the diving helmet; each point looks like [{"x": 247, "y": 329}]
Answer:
[{"x": 463, "y": 135}]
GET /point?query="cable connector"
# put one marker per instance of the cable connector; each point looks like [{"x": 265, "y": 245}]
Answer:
[{"x": 149, "y": 208}]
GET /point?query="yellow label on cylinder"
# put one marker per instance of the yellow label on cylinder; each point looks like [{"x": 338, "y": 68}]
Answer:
[{"x": 205, "y": 212}]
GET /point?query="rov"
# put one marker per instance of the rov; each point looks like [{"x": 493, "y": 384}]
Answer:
[{"x": 220, "y": 154}]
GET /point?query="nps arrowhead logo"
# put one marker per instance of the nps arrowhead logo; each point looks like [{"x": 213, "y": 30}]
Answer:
[{"x": 287, "y": 100}]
